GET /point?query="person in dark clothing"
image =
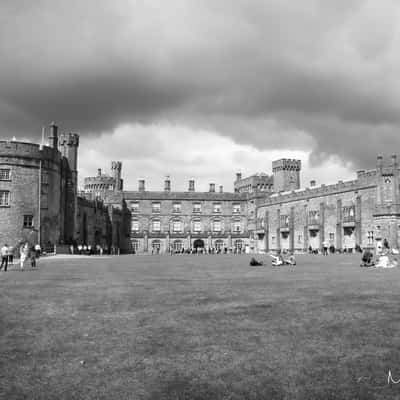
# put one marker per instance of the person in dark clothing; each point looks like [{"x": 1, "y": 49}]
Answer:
[
  {"x": 366, "y": 259},
  {"x": 255, "y": 263}
]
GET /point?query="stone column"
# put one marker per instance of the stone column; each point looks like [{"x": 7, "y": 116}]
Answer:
[
  {"x": 358, "y": 221},
  {"x": 291, "y": 229},
  {"x": 146, "y": 243},
  {"x": 278, "y": 231},
  {"x": 339, "y": 226},
  {"x": 305, "y": 228},
  {"x": 266, "y": 232},
  {"x": 322, "y": 224}
]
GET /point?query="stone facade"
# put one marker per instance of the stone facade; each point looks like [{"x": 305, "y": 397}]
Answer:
[{"x": 39, "y": 200}]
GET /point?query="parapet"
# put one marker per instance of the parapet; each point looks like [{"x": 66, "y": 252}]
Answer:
[
  {"x": 286, "y": 164},
  {"x": 69, "y": 139}
]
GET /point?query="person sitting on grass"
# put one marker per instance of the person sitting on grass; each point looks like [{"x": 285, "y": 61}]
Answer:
[
  {"x": 277, "y": 260},
  {"x": 255, "y": 263},
  {"x": 291, "y": 260},
  {"x": 367, "y": 259}
]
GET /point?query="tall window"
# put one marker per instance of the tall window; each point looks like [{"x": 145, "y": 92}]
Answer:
[
  {"x": 217, "y": 226},
  {"x": 236, "y": 209},
  {"x": 45, "y": 178},
  {"x": 177, "y": 226},
  {"x": 135, "y": 207},
  {"x": 237, "y": 226},
  {"x": 156, "y": 208},
  {"x": 4, "y": 198},
  {"x": 197, "y": 207},
  {"x": 197, "y": 226},
  {"x": 135, "y": 225},
  {"x": 4, "y": 174},
  {"x": 370, "y": 237},
  {"x": 217, "y": 207},
  {"x": 176, "y": 207},
  {"x": 135, "y": 245},
  {"x": 156, "y": 225},
  {"x": 177, "y": 245},
  {"x": 28, "y": 221}
]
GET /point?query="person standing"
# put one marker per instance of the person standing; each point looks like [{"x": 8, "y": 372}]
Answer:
[
  {"x": 4, "y": 257},
  {"x": 24, "y": 253}
]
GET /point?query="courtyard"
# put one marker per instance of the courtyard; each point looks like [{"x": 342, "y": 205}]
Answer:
[{"x": 199, "y": 327}]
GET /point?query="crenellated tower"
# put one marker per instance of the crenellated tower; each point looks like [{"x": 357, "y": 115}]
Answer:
[
  {"x": 286, "y": 174},
  {"x": 387, "y": 207},
  {"x": 116, "y": 167}
]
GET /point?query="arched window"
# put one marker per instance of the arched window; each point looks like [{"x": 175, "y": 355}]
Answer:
[
  {"x": 177, "y": 246},
  {"x": 156, "y": 246},
  {"x": 219, "y": 245},
  {"x": 238, "y": 245}
]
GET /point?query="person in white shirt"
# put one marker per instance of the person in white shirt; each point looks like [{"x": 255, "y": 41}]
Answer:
[{"x": 4, "y": 257}]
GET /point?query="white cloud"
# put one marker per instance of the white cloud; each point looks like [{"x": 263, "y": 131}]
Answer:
[{"x": 156, "y": 150}]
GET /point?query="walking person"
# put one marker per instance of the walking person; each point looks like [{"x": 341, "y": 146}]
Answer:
[
  {"x": 24, "y": 253},
  {"x": 4, "y": 257}
]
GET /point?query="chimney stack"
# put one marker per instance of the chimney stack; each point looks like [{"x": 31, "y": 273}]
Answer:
[
  {"x": 167, "y": 184},
  {"x": 379, "y": 162},
  {"x": 312, "y": 183},
  {"x": 221, "y": 189},
  {"x": 53, "y": 138},
  {"x": 212, "y": 187},
  {"x": 98, "y": 171},
  {"x": 191, "y": 185},
  {"x": 238, "y": 176},
  {"x": 141, "y": 185},
  {"x": 394, "y": 161}
]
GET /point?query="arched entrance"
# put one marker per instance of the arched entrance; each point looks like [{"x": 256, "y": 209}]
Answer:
[{"x": 198, "y": 243}]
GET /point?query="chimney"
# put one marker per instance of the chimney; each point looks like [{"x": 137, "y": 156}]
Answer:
[
  {"x": 141, "y": 185},
  {"x": 98, "y": 171},
  {"x": 167, "y": 184},
  {"x": 238, "y": 176},
  {"x": 221, "y": 189},
  {"x": 379, "y": 162},
  {"x": 212, "y": 187},
  {"x": 53, "y": 138},
  {"x": 191, "y": 185},
  {"x": 312, "y": 183},
  {"x": 394, "y": 161}
]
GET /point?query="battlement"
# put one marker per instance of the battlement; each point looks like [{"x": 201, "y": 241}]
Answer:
[
  {"x": 69, "y": 139},
  {"x": 116, "y": 165},
  {"x": 286, "y": 164}
]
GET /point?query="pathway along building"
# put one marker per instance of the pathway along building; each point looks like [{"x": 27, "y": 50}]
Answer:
[{"x": 264, "y": 213}]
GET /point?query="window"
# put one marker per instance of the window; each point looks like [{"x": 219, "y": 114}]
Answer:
[
  {"x": 236, "y": 208},
  {"x": 348, "y": 214},
  {"x": 156, "y": 225},
  {"x": 156, "y": 208},
  {"x": 45, "y": 178},
  {"x": 217, "y": 226},
  {"x": 28, "y": 221},
  {"x": 219, "y": 245},
  {"x": 135, "y": 225},
  {"x": 4, "y": 198},
  {"x": 217, "y": 207},
  {"x": 284, "y": 221},
  {"x": 313, "y": 216},
  {"x": 4, "y": 174},
  {"x": 177, "y": 246},
  {"x": 237, "y": 226},
  {"x": 177, "y": 226},
  {"x": 370, "y": 237},
  {"x": 331, "y": 237},
  {"x": 135, "y": 245},
  {"x": 299, "y": 239},
  {"x": 176, "y": 207},
  {"x": 156, "y": 246},
  {"x": 135, "y": 207},
  {"x": 197, "y": 207},
  {"x": 196, "y": 226}
]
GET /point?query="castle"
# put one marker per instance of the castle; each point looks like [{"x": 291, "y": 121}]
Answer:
[{"x": 40, "y": 202}]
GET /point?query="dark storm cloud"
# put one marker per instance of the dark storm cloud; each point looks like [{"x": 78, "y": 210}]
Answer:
[{"x": 275, "y": 74}]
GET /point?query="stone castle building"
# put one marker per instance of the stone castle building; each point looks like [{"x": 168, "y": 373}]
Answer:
[
  {"x": 40, "y": 202},
  {"x": 264, "y": 213},
  {"x": 39, "y": 199}
]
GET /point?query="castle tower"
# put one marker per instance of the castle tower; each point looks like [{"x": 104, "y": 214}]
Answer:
[
  {"x": 68, "y": 144},
  {"x": 387, "y": 207},
  {"x": 116, "y": 167},
  {"x": 286, "y": 174}
]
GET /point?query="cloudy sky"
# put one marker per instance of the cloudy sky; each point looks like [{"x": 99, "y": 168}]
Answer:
[{"x": 205, "y": 88}]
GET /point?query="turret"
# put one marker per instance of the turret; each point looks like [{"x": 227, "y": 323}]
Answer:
[
  {"x": 53, "y": 137},
  {"x": 167, "y": 184},
  {"x": 286, "y": 174},
  {"x": 116, "y": 167}
]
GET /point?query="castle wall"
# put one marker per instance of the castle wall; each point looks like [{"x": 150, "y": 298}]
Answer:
[{"x": 25, "y": 161}]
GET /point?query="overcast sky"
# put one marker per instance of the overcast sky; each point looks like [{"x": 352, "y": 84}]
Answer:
[{"x": 205, "y": 88}]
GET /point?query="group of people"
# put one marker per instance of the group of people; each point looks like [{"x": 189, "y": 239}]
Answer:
[
  {"x": 27, "y": 253},
  {"x": 277, "y": 260},
  {"x": 204, "y": 250},
  {"x": 385, "y": 256}
]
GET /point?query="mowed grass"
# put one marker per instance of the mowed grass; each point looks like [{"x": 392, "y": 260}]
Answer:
[{"x": 199, "y": 327}]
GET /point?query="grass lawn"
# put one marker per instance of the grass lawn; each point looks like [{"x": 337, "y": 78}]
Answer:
[{"x": 199, "y": 327}]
